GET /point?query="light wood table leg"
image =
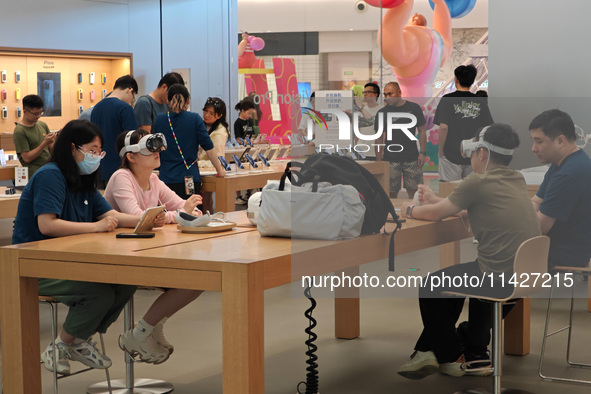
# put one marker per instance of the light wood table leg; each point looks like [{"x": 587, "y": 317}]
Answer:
[
  {"x": 243, "y": 329},
  {"x": 517, "y": 329},
  {"x": 19, "y": 328},
  {"x": 449, "y": 254},
  {"x": 224, "y": 196},
  {"x": 346, "y": 308}
]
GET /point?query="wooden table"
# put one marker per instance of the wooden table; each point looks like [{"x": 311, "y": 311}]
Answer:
[
  {"x": 239, "y": 264},
  {"x": 225, "y": 188},
  {"x": 7, "y": 172}
]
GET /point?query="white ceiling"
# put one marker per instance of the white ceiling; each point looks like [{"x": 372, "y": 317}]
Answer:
[{"x": 331, "y": 15}]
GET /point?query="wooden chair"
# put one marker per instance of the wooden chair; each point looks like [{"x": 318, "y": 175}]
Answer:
[
  {"x": 531, "y": 258},
  {"x": 574, "y": 271}
]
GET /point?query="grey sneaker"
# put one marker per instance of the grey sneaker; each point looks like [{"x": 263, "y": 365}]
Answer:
[
  {"x": 63, "y": 365},
  {"x": 420, "y": 365},
  {"x": 88, "y": 354}
]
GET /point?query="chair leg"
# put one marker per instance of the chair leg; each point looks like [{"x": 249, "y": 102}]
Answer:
[
  {"x": 569, "y": 342},
  {"x": 497, "y": 350},
  {"x": 53, "y": 314}
]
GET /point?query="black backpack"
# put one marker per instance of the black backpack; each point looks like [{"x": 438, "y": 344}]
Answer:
[{"x": 336, "y": 170}]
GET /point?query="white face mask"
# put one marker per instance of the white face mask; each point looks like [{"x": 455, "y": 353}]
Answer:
[{"x": 90, "y": 163}]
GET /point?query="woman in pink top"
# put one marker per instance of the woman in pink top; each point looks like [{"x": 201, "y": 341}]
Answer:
[{"x": 132, "y": 189}]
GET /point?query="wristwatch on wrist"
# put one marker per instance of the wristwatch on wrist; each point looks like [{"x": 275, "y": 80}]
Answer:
[{"x": 409, "y": 211}]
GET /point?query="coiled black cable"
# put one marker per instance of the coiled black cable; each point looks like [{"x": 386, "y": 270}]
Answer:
[{"x": 311, "y": 382}]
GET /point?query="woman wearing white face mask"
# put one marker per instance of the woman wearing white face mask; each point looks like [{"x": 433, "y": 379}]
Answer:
[{"x": 61, "y": 199}]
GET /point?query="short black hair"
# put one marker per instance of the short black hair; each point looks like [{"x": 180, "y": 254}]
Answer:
[
  {"x": 126, "y": 82},
  {"x": 245, "y": 105},
  {"x": 32, "y": 101},
  {"x": 77, "y": 133},
  {"x": 466, "y": 75},
  {"x": 503, "y": 136},
  {"x": 553, "y": 123},
  {"x": 170, "y": 79},
  {"x": 374, "y": 86}
]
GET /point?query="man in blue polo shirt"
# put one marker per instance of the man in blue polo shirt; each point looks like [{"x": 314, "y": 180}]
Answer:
[
  {"x": 563, "y": 199},
  {"x": 114, "y": 115}
]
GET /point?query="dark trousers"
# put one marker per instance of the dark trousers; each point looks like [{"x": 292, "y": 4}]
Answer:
[
  {"x": 179, "y": 189},
  {"x": 441, "y": 313}
]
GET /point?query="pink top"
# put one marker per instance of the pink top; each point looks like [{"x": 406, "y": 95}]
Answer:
[{"x": 125, "y": 195}]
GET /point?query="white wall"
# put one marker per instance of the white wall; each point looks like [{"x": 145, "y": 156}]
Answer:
[{"x": 538, "y": 60}]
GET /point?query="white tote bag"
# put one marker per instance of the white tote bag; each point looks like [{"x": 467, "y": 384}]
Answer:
[{"x": 320, "y": 211}]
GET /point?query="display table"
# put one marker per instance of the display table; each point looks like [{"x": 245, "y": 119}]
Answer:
[
  {"x": 225, "y": 188},
  {"x": 240, "y": 264}
]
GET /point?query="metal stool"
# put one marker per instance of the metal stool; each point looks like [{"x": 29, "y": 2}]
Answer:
[
  {"x": 584, "y": 271},
  {"x": 52, "y": 303},
  {"x": 531, "y": 257},
  {"x": 130, "y": 385}
]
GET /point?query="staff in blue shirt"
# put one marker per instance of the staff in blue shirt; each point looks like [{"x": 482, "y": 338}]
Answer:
[
  {"x": 61, "y": 199},
  {"x": 184, "y": 132}
]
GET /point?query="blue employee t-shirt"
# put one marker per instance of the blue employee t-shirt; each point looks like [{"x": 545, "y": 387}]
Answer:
[
  {"x": 113, "y": 116},
  {"x": 47, "y": 192},
  {"x": 190, "y": 133},
  {"x": 566, "y": 195}
]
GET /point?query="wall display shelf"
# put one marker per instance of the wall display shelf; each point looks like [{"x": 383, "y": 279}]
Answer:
[{"x": 66, "y": 80}]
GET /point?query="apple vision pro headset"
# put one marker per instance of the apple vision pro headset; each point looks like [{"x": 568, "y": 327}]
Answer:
[
  {"x": 468, "y": 147},
  {"x": 147, "y": 145}
]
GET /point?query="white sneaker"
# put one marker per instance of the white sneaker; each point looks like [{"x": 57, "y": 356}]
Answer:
[
  {"x": 420, "y": 365},
  {"x": 158, "y": 335},
  {"x": 453, "y": 369},
  {"x": 63, "y": 365},
  {"x": 88, "y": 354},
  {"x": 148, "y": 350}
]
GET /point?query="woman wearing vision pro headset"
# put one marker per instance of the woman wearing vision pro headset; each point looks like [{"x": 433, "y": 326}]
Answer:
[
  {"x": 501, "y": 214},
  {"x": 132, "y": 189}
]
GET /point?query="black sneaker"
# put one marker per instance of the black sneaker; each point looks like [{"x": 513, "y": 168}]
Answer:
[{"x": 478, "y": 364}]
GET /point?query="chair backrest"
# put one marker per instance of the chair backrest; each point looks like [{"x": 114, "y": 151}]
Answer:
[{"x": 530, "y": 266}]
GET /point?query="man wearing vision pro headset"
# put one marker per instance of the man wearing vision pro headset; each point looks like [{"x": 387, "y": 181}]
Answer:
[{"x": 501, "y": 214}]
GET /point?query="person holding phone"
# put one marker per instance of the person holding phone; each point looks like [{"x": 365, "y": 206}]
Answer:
[
  {"x": 132, "y": 189},
  {"x": 62, "y": 199},
  {"x": 185, "y": 132},
  {"x": 214, "y": 117}
]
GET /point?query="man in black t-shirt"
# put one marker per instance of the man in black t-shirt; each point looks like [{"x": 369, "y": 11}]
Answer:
[
  {"x": 405, "y": 159},
  {"x": 460, "y": 115}
]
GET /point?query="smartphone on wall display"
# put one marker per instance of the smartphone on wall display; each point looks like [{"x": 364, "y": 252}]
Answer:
[
  {"x": 79, "y": 77},
  {"x": 17, "y": 93},
  {"x": 251, "y": 160},
  {"x": 224, "y": 163},
  {"x": 19, "y": 112},
  {"x": 17, "y": 76},
  {"x": 80, "y": 110},
  {"x": 238, "y": 162},
  {"x": 92, "y": 95},
  {"x": 104, "y": 93},
  {"x": 104, "y": 78},
  {"x": 3, "y": 76},
  {"x": 265, "y": 162},
  {"x": 4, "y": 112},
  {"x": 3, "y": 94},
  {"x": 79, "y": 94},
  {"x": 92, "y": 78}
]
